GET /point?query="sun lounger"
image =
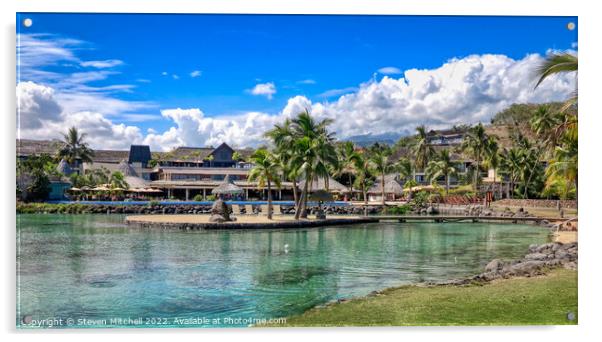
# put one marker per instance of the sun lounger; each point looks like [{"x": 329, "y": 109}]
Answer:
[
  {"x": 248, "y": 209},
  {"x": 236, "y": 209}
]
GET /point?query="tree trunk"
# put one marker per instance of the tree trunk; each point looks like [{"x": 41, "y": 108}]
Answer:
[
  {"x": 269, "y": 200},
  {"x": 302, "y": 201},
  {"x": 446, "y": 185},
  {"x": 476, "y": 175},
  {"x": 576, "y": 192},
  {"x": 350, "y": 188},
  {"x": 364, "y": 192},
  {"x": 382, "y": 184},
  {"x": 295, "y": 194}
]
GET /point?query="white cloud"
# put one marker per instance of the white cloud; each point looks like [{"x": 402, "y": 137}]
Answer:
[
  {"x": 338, "y": 92},
  {"x": 36, "y": 104},
  {"x": 164, "y": 73},
  {"x": 390, "y": 71},
  {"x": 41, "y": 116},
  {"x": 193, "y": 128},
  {"x": 109, "y": 63},
  {"x": 196, "y": 73},
  {"x": 265, "y": 89},
  {"x": 462, "y": 90},
  {"x": 175, "y": 77},
  {"x": 307, "y": 81}
]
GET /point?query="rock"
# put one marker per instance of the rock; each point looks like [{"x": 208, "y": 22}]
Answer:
[
  {"x": 494, "y": 265},
  {"x": 527, "y": 268},
  {"x": 536, "y": 256},
  {"x": 220, "y": 212}
]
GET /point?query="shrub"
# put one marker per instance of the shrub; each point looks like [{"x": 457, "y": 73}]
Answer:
[
  {"x": 399, "y": 210},
  {"x": 198, "y": 198}
]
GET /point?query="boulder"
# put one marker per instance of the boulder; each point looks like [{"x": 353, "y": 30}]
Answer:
[{"x": 494, "y": 265}]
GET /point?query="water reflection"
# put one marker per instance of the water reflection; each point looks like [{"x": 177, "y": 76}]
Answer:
[{"x": 93, "y": 266}]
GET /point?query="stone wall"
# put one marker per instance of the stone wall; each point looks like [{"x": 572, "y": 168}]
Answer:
[{"x": 537, "y": 203}]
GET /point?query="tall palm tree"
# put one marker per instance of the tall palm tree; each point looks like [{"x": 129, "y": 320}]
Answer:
[
  {"x": 492, "y": 158},
  {"x": 441, "y": 166},
  {"x": 474, "y": 143},
  {"x": 383, "y": 164},
  {"x": 511, "y": 164},
  {"x": 282, "y": 137},
  {"x": 266, "y": 172},
  {"x": 363, "y": 177},
  {"x": 314, "y": 152},
  {"x": 421, "y": 148},
  {"x": 74, "y": 149},
  {"x": 347, "y": 156}
]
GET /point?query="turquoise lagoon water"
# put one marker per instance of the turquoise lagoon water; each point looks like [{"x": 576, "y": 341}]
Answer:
[{"x": 93, "y": 271}]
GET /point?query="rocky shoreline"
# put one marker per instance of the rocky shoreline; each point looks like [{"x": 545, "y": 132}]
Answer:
[{"x": 538, "y": 261}]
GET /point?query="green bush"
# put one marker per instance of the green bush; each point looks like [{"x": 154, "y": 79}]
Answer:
[
  {"x": 419, "y": 199},
  {"x": 153, "y": 203},
  {"x": 198, "y": 198},
  {"x": 399, "y": 210}
]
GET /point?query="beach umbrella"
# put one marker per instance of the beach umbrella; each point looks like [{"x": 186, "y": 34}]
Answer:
[
  {"x": 101, "y": 188},
  {"x": 85, "y": 188},
  {"x": 227, "y": 187},
  {"x": 75, "y": 189}
]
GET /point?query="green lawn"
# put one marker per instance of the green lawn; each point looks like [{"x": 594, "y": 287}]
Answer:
[{"x": 519, "y": 301}]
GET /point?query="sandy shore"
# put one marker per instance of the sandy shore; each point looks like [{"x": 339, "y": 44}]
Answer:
[{"x": 565, "y": 237}]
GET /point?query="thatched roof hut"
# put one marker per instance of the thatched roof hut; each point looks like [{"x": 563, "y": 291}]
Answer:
[
  {"x": 320, "y": 184},
  {"x": 227, "y": 187},
  {"x": 391, "y": 187}
]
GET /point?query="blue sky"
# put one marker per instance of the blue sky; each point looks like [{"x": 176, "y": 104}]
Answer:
[{"x": 150, "y": 59}]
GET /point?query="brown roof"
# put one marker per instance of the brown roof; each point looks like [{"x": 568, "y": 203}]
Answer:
[
  {"x": 195, "y": 154},
  {"x": 391, "y": 187},
  {"x": 26, "y": 147},
  {"x": 110, "y": 156},
  {"x": 206, "y": 170}
]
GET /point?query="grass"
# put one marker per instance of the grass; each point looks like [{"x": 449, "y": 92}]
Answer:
[{"x": 543, "y": 300}]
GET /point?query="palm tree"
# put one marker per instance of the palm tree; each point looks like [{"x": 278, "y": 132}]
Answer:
[
  {"x": 313, "y": 152},
  {"x": 546, "y": 124},
  {"x": 381, "y": 162},
  {"x": 282, "y": 136},
  {"x": 441, "y": 166},
  {"x": 421, "y": 148},
  {"x": 74, "y": 149},
  {"x": 347, "y": 156},
  {"x": 492, "y": 158},
  {"x": 474, "y": 143},
  {"x": 265, "y": 171},
  {"x": 557, "y": 63},
  {"x": 117, "y": 180},
  {"x": 363, "y": 179},
  {"x": 565, "y": 163},
  {"x": 511, "y": 165}
]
